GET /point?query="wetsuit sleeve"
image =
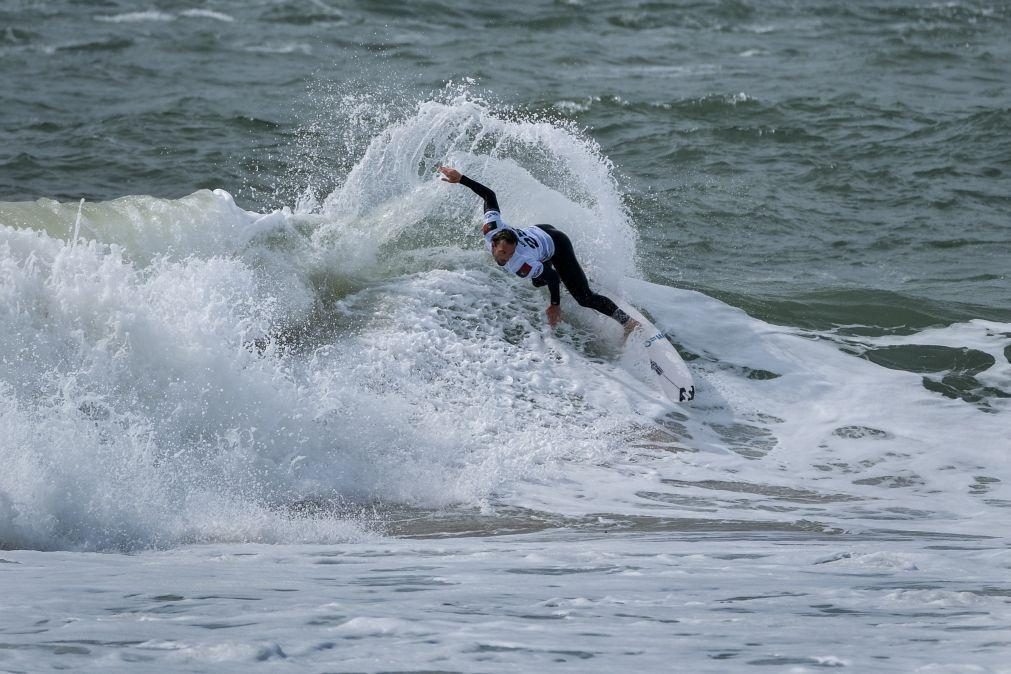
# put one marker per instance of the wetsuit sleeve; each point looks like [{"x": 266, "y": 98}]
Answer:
[
  {"x": 490, "y": 202},
  {"x": 492, "y": 217},
  {"x": 549, "y": 277}
]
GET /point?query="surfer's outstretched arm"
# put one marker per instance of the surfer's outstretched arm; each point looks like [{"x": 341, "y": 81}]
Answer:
[{"x": 451, "y": 175}]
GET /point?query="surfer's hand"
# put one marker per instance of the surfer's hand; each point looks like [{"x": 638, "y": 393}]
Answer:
[
  {"x": 450, "y": 175},
  {"x": 554, "y": 313}
]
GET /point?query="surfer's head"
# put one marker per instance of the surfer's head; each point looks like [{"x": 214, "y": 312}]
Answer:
[{"x": 503, "y": 245}]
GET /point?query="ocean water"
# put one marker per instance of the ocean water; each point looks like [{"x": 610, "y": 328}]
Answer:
[{"x": 266, "y": 404}]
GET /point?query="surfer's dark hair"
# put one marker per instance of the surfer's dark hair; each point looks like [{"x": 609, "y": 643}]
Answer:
[{"x": 507, "y": 235}]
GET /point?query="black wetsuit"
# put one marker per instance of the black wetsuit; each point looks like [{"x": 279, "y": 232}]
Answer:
[{"x": 562, "y": 266}]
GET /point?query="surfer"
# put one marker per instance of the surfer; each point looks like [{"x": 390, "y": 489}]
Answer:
[{"x": 539, "y": 252}]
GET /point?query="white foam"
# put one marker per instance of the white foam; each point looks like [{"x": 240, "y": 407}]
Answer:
[
  {"x": 137, "y": 17},
  {"x": 143, "y": 397},
  {"x": 373, "y": 627},
  {"x": 281, "y": 48},
  {"x": 573, "y": 107},
  {"x": 190, "y": 371},
  {"x": 838, "y": 422},
  {"x": 208, "y": 14}
]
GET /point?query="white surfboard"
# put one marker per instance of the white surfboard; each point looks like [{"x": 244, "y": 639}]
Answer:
[{"x": 651, "y": 347}]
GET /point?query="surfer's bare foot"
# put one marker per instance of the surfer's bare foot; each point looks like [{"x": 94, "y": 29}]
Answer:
[{"x": 630, "y": 327}]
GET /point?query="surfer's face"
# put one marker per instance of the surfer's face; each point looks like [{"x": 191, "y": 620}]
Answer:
[{"x": 502, "y": 251}]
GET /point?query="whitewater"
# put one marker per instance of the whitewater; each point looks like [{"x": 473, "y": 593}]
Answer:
[{"x": 335, "y": 437}]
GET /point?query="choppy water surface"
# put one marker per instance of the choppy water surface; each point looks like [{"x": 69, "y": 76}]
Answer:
[{"x": 264, "y": 402}]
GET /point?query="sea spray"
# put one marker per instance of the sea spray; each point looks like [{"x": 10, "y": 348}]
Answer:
[{"x": 198, "y": 368}]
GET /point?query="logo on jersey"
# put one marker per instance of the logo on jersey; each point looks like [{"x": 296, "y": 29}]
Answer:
[{"x": 524, "y": 270}]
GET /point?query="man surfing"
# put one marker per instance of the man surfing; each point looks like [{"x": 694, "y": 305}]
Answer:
[{"x": 541, "y": 253}]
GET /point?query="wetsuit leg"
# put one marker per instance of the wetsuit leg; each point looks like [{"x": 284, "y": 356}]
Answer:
[{"x": 574, "y": 279}]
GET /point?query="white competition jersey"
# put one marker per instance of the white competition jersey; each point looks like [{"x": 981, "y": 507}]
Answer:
[{"x": 533, "y": 249}]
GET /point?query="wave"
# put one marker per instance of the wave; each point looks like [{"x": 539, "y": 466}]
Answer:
[
  {"x": 186, "y": 371},
  {"x": 186, "y": 361}
]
